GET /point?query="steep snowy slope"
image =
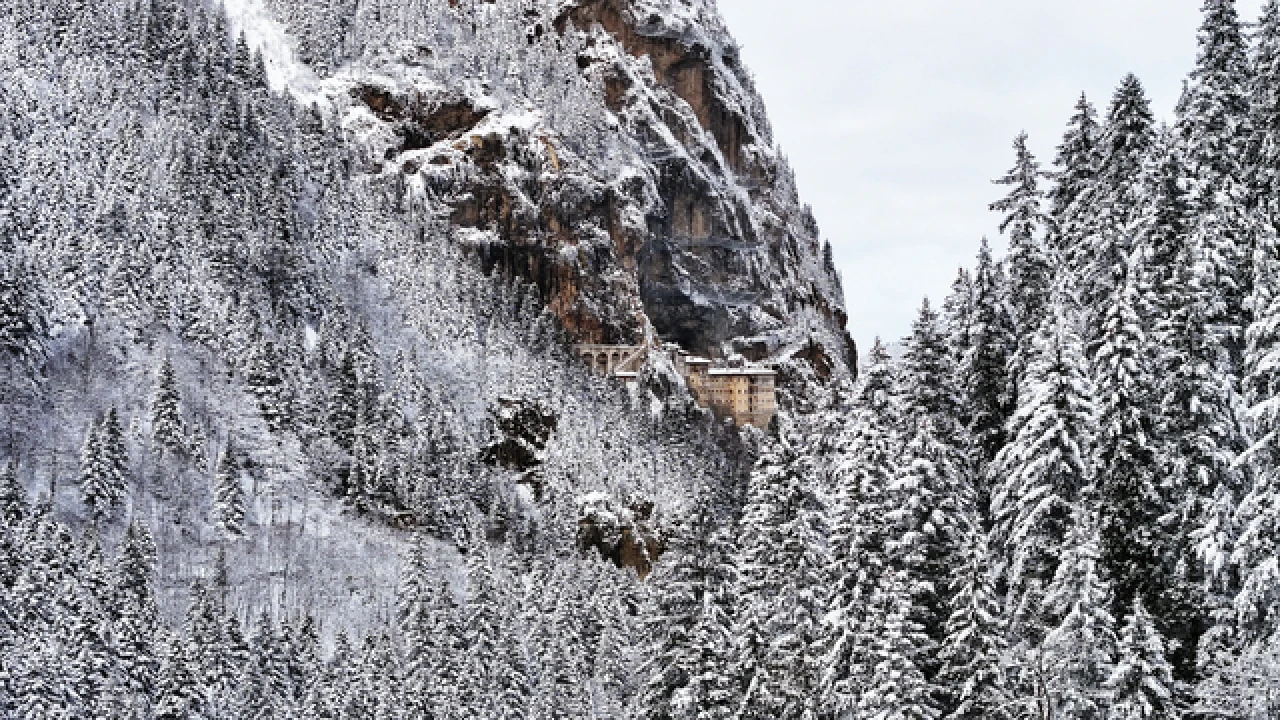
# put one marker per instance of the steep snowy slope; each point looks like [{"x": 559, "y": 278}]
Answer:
[
  {"x": 617, "y": 151},
  {"x": 286, "y": 320},
  {"x": 351, "y": 295}
]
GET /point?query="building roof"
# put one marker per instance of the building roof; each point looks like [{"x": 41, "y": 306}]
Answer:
[
  {"x": 743, "y": 371},
  {"x": 694, "y": 360}
]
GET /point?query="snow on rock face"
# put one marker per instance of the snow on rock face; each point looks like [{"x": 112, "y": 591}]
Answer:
[
  {"x": 625, "y": 129},
  {"x": 623, "y": 535}
]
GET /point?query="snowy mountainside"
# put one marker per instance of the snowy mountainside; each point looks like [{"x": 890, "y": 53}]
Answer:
[
  {"x": 317, "y": 285},
  {"x": 623, "y": 158},
  {"x": 287, "y": 301}
]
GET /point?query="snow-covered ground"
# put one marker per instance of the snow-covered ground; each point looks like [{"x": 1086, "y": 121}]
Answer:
[{"x": 262, "y": 31}]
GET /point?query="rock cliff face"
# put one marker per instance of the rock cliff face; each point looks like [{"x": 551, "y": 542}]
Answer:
[{"x": 676, "y": 202}]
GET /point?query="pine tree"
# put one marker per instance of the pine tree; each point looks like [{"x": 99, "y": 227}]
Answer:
[
  {"x": 1077, "y": 169},
  {"x": 168, "y": 431},
  {"x": 973, "y": 676},
  {"x": 484, "y": 661},
  {"x": 1109, "y": 205},
  {"x": 1214, "y": 124},
  {"x": 692, "y": 624},
  {"x": 1127, "y": 136},
  {"x": 858, "y": 559},
  {"x": 14, "y": 507},
  {"x": 781, "y": 586},
  {"x": 346, "y": 404},
  {"x": 957, "y": 313},
  {"x": 1215, "y": 114},
  {"x": 228, "y": 510},
  {"x": 1125, "y": 455},
  {"x": 178, "y": 695},
  {"x": 1196, "y": 426},
  {"x": 1075, "y": 660},
  {"x": 933, "y": 480},
  {"x": 104, "y": 468},
  {"x": 1028, "y": 265},
  {"x": 1141, "y": 683},
  {"x": 897, "y": 688},
  {"x": 264, "y": 380},
  {"x": 984, "y": 367},
  {"x": 1243, "y": 540},
  {"x": 1044, "y": 468},
  {"x": 136, "y": 615},
  {"x": 1264, "y": 116},
  {"x": 24, "y": 321}
]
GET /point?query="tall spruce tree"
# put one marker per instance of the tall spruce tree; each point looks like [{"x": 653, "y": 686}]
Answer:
[
  {"x": 24, "y": 319},
  {"x": 781, "y": 592},
  {"x": 1141, "y": 683},
  {"x": 1264, "y": 113},
  {"x": 973, "y": 678},
  {"x": 1214, "y": 124},
  {"x": 957, "y": 313},
  {"x": 933, "y": 483},
  {"x": 897, "y": 687},
  {"x": 859, "y": 533},
  {"x": 1197, "y": 434},
  {"x": 692, "y": 624},
  {"x": 987, "y": 391},
  {"x": 104, "y": 468},
  {"x": 1109, "y": 205},
  {"x": 1044, "y": 469},
  {"x": 1027, "y": 263},
  {"x": 14, "y": 506},
  {"x": 1214, "y": 117},
  {"x": 1072, "y": 666},
  {"x": 168, "y": 430},
  {"x": 1124, "y": 456},
  {"x": 228, "y": 509},
  {"x": 134, "y": 607},
  {"x": 1242, "y": 546},
  {"x": 1073, "y": 179},
  {"x": 1076, "y": 170}
]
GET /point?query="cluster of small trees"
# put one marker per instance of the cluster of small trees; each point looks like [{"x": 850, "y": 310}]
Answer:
[{"x": 81, "y": 636}]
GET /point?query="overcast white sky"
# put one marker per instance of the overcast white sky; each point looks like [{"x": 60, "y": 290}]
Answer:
[{"x": 897, "y": 114}]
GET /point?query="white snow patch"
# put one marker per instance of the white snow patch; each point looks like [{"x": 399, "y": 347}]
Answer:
[{"x": 263, "y": 32}]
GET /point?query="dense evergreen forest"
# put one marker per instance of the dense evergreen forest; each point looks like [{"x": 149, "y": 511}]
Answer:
[{"x": 280, "y": 438}]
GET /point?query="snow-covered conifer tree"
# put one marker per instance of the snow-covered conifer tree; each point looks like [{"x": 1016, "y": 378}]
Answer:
[
  {"x": 1124, "y": 454},
  {"x": 1076, "y": 170},
  {"x": 1027, "y": 262},
  {"x": 228, "y": 510},
  {"x": 860, "y": 530},
  {"x": 1141, "y": 683},
  {"x": 692, "y": 624},
  {"x": 1109, "y": 204},
  {"x": 897, "y": 687},
  {"x": 988, "y": 395},
  {"x": 933, "y": 482},
  {"x": 168, "y": 429},
  {"x": 782, "y": 594},
  {"x": 1044, "y": 468},
  {"x": 973, "y": 676},
  {"x": 104, "y": 468},
  {"x": 1072, "y": 666}
]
